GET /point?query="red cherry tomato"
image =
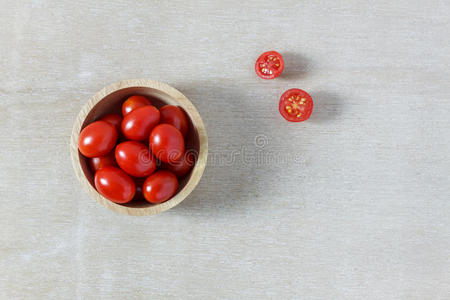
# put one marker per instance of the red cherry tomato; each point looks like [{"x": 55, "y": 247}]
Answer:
[
  {"x": 134, "y": 102},
  {"x": 97, "y": 163},
  {"x": 167, "y": 143},
  {"x": 135, "y": 159},
  {"x": 296, "y": 105},
  {"x": 113, "y": 119},
  {"x": 182, "y": 166},
  {"x": 160, "y": 187},
  {"x": 269, "y": 65},
  {"x": 114, "y": 184},
  {"x": 138, "y": 124},
  {"x": 97, "y": 139},
  {"x": 175, "y": 116}
]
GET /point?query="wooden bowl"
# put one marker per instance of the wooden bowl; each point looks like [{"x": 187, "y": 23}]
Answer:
[{"x": 109, "y": 100}]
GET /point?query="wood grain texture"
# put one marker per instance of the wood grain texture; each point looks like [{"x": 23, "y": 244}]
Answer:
[
  {"x": 110, "y": 98},
  {"x": 352, "y": 204}
]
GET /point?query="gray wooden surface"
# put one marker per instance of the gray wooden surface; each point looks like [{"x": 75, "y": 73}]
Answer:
[{"x": 353, "y": 204}]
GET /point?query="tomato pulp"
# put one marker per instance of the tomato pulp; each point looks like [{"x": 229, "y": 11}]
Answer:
[
  {"x": 269, "y": 65},
  {"x": 296, "y": 105}
]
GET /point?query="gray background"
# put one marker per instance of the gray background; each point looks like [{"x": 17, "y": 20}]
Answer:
[{"x": 352, "y": 204}]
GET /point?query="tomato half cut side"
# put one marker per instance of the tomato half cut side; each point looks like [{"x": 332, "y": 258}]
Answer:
[
  {"x": 269, "y": 65},
  {"x": 296, "y": 105}
]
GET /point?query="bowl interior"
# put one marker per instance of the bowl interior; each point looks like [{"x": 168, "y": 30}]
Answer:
[{"x": 112, "y": 103}]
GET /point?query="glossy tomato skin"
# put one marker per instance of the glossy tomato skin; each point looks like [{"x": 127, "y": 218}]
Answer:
[
  {"x": 135, "y": 159},
  {"x": 113, "y": 119},
  {"x": 269, "y": 65},
  {"x": 138, "y": 124},
  {"x": 160, "y": 186},
  {"x": 134, "y": 102},
  {"x": 114, "y": 184},
  {"x": 182, "y": 166},
  {"x": 99, "y": 162},
  {"x": 175, "y": 116},
  {"x": 166, "y": 143},
  {"x": 97, "y": 139},
  {"x": 296, "y": 105}
]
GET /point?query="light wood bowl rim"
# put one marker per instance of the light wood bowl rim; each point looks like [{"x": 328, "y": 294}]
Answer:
[{"x": 197, "y": 123}]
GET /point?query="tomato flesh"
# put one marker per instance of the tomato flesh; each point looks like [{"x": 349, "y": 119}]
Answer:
[
  {"x": 296, "y": 105},
  {"x": 114, "y": 184},
  {"x": 269, "y": 65},
  {"x": 160, "y": 187},
  {"x": 97, "y": 139},
  {"x": 134, "y": 102},
  {"x": 135, "y": 159}
]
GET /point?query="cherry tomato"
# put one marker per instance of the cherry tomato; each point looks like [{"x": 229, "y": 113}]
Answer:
[
  {"x": 113, "y": 119},
  {"x": 160, "y": 187},
  {"x": 269, "y": 65},
  {"x": 167, "y": 143},
  {"x": 182, "y": 166},
  {"x": 175, "y": 116},
  {"x": 134, "y": 102},
  {"x": 102, "y": 161},
  {"x": 97, "y": 139},
  {"x": 138, "y": 124},
  {"x": 296, "y": 105},
  {"x": 135, "y": 159},
  {"x": 114, "y": 184}
]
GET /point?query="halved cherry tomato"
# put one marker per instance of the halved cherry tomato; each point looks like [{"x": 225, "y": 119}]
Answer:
[
  {"x": 138, "y": 124},
  {"x": 183, "y": 166},
  {"x": 113, "y": 119},
  {"x": 296, "y": 105},
  {"x": 269, "y": 65},
  {"x": 160, "y": 187},
  {"x": 173, "y": 115},
  {"x": 114, "y": 184},
  {"x": 167, "y": 143},
  {"x": 102, "y": 161},
  {"x": 135, "y": 159},
  {"x": 97, "y": 139},
  {"x": 134, "y": 102}
]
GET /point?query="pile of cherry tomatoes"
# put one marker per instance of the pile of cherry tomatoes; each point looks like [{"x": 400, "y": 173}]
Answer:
[{"x": 140, "y": 154}]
